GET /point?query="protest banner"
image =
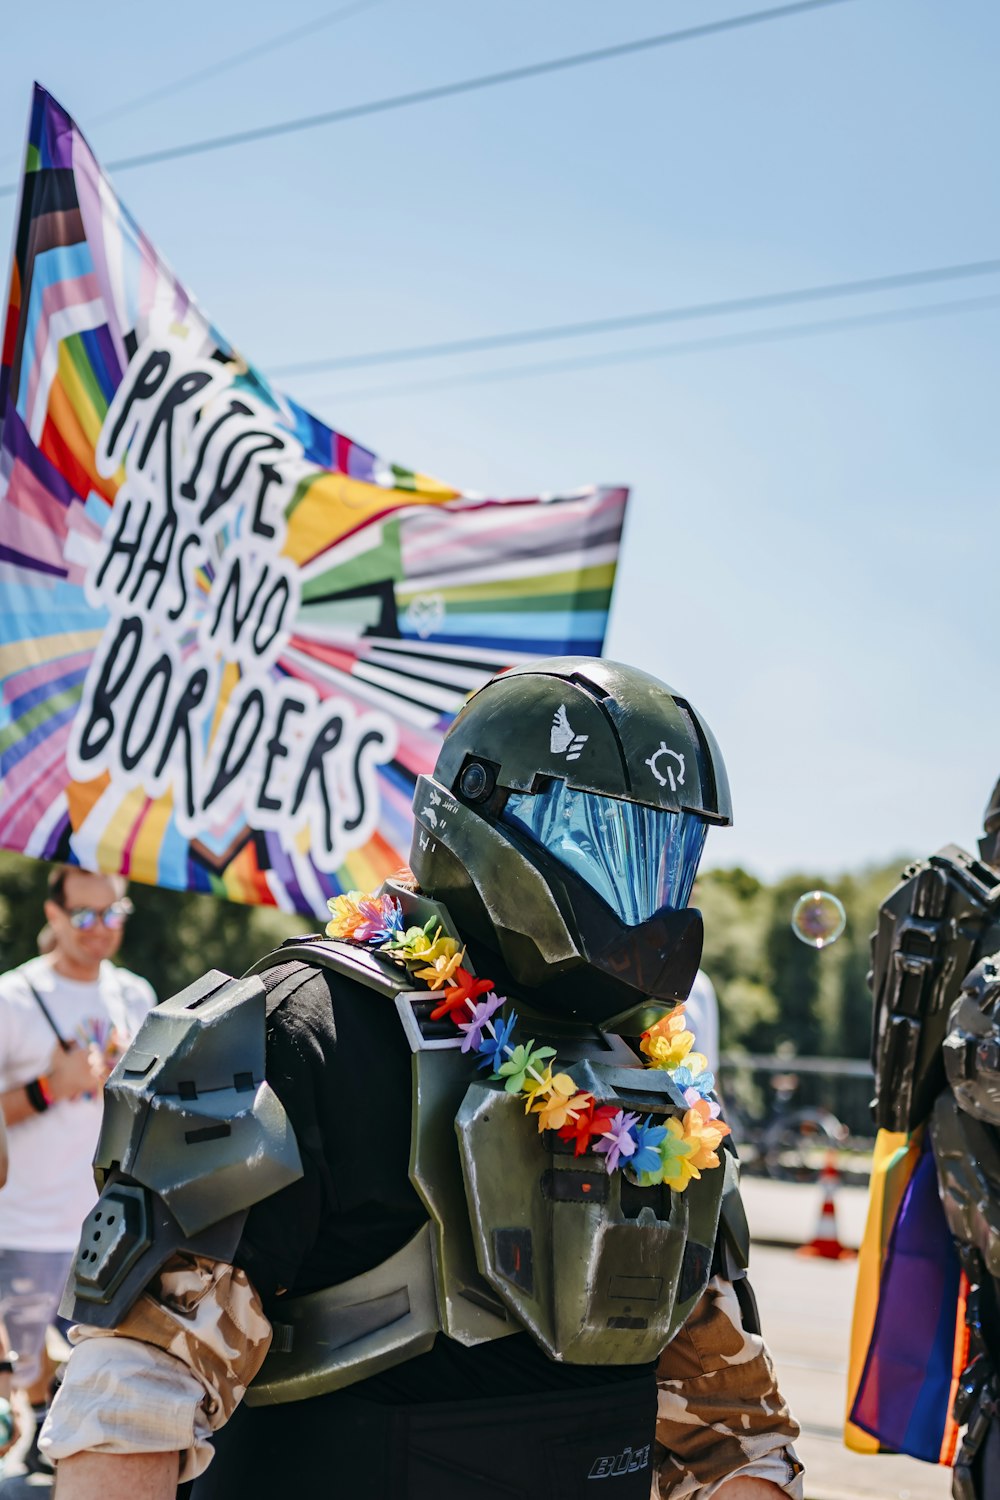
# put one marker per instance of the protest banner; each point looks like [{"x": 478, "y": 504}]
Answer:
[{"x": 230, "y": 637}]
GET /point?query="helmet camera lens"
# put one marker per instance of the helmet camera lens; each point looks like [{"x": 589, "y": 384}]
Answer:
[{"x": 474, "y": 782}]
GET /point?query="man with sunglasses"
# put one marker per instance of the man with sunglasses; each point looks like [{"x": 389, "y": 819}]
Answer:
[{"x": 64, "y": 1016}]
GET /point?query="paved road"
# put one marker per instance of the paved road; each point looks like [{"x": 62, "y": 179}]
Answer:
[
  {"x": 787, "y": 1213},
  {"x": 805, "y": 1310}
]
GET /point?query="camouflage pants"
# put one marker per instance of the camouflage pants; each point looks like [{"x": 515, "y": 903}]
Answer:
[{"x": 720, "y": 1413}]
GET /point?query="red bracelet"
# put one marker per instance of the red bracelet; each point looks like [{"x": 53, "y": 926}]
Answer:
[{"x": 45, "y": 1089}]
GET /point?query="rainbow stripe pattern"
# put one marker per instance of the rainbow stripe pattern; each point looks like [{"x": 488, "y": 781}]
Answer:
[
  {"x": 411, "y": 592},
  {"x": 909, "y": 1339}
]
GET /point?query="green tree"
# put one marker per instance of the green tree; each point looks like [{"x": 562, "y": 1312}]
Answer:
[
  {"x": 797, "y": 976},
  {"x": 172, "y": 938},
  {"x": 22, "y": 891},
  {"x": 733, "y": 904},
  {"x": 774, "y": 990},
  {"x": 862, "y": 895}
]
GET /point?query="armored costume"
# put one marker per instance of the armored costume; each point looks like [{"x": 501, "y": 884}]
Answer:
[
  {"x": 308, "y": 1150},
  {"x": 936, "y": 1056}
]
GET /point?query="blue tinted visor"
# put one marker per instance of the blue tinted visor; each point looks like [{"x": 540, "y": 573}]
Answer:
[{"x": 637, "y": 859}]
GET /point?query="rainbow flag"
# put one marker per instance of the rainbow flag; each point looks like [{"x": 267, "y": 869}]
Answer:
[
  {"x": 909, "y": 1341},
  {"x": 230, "y": 636}
]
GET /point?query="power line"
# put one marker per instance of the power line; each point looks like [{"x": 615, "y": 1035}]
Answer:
[
  {"x": 684, "y": 313},
  {"x": 222, "y": 65},
  {"x": 461, "y": 86},
  {"x": 772, "y": 335},
  {"x": 233, "y": 60}
]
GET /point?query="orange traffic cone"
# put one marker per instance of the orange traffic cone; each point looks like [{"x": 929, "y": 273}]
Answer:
[{"x": 826, "y": 1241}]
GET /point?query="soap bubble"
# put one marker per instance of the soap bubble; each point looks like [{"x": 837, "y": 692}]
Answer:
[{"x": 818, "y": 918}]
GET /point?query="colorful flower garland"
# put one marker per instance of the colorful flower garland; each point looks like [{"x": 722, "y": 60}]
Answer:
[{"x": 674, "y": 1153}]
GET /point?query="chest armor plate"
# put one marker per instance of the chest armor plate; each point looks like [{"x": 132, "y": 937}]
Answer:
[{"x": 522, "y": 1234}]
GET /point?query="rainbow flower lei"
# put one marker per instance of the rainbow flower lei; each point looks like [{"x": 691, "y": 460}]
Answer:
[{"x": 674, "y": 1153}]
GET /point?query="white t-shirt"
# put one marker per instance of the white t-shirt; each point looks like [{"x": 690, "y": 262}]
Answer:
[
  {"x": 50, "y": 1184},
  {"x": 702, "y": 1010}
]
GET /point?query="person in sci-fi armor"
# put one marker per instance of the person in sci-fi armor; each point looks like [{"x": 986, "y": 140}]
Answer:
[
  {"x": 427, "y": 1279},
  {"x": 936, "y": 1054}
]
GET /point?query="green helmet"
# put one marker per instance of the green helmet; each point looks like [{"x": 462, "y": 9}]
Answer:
[{"x": 563, "y": 826}]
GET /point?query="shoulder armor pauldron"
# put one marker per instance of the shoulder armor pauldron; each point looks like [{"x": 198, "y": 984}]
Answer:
[
  {"x": 972, "y": 1046},
  {"x": 933, "y": 927},
  {"x": 372, "y": 969},
  {"x": 192, "y": 1136}
]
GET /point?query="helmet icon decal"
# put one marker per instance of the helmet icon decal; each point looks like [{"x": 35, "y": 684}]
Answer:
[
  {"x": 673, "y": 781},
  {"x": 564, "y": 740}
]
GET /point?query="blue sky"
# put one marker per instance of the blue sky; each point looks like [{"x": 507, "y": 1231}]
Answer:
[{"x": 813, "y": 532}]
